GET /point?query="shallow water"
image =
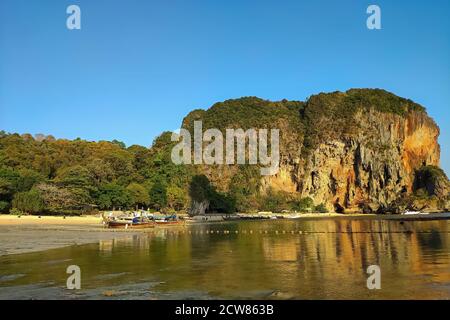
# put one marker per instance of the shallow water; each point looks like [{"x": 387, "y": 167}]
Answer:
[{"x": 284, "y": 259}]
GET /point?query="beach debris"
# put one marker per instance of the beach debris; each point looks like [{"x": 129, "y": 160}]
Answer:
[{"x": 109, "y": 293}]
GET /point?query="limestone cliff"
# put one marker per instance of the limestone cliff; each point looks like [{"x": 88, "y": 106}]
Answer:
[
  {"x": 354, "y": 151},
  {"x": 372, "y": 168}
]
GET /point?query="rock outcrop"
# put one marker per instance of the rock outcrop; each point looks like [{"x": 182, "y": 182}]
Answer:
[
  {"x": 361, "y": 150},
  {"x": 373, "y": 168}
]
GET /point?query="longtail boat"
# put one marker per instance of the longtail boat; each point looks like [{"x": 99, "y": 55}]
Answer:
[
  {"x": 120, "y": 224},
  {"x": 168, "y": 220},
  {"x": 128, "y": 222}
]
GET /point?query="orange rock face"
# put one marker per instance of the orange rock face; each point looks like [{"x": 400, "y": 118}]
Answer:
[
  {"x": 370, "y": 168},
  {"x": 420, "y": 142}
]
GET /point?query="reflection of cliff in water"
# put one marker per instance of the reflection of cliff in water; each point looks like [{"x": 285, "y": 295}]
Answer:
[{"x": 265, "y": 259}]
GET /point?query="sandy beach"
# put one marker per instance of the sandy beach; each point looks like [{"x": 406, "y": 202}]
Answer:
[
  {"x": 12, "y": 220},
  {"x": 31, "y": 233}
]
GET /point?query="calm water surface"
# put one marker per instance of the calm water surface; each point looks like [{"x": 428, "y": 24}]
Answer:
[{"x": 284, "y": 259}]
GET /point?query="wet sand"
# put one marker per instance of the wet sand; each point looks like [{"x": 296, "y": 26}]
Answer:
[{"x": 31, "y": 233}]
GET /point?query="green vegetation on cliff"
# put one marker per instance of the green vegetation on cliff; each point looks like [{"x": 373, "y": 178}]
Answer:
[
  {"x": 329, "y": 115},
  {"x": 246, "y": 112}
]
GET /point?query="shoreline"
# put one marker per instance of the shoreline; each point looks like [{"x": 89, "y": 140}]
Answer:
[{"x": 33, "y": 234}]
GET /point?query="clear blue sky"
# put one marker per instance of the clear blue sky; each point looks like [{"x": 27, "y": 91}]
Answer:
[{"x": 136, "y": 68}]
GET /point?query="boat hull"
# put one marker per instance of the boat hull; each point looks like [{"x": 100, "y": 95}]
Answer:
[
  {"x": 125, "y": 225},
  {"x": 170, "y": 223}
]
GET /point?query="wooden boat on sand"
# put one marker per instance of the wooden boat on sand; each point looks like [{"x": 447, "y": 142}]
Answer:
[
  {"x": 128, "y": 222},
  {"x": 169, "y": 220},
  {"x": 124, "y": 224}
]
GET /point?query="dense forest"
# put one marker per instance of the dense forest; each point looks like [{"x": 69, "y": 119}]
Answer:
[{"x": 43, "y": 175}]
